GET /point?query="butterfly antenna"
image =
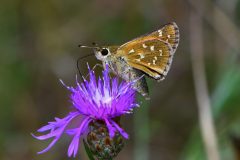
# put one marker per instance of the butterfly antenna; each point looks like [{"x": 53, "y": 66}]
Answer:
[
  {"x": 94, "y": 44},
  {"x": 92, "y": 47}
]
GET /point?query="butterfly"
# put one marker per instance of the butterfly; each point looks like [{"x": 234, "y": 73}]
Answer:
[{"x": 150, "y": 54}]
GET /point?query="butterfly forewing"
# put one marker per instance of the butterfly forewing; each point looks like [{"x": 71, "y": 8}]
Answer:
[{"x": 168, "y": 33}]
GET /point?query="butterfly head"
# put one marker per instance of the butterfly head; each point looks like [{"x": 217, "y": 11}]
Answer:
[{"x": 101, "y": 52}]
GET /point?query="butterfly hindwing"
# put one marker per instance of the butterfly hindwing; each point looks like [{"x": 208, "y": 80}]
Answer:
[{"x": 153, "y": 57}]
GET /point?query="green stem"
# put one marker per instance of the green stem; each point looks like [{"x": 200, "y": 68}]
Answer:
[{"x": 142, "y": 132}]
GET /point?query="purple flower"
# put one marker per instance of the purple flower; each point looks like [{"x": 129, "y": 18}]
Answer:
[{"x": 102, "y": 99}]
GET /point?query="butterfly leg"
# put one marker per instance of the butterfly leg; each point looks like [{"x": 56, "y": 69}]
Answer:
[
  {"x": 94, "y": 67},
  {"x": 97, "y": 65}
]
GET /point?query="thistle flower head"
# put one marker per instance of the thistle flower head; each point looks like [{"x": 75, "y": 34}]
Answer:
[{"x": 97, "y": 99}]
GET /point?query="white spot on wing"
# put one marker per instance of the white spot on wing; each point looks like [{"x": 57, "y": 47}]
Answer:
[
  {"x": 152, "y": 48},
  {"x": 131, "y": 51},
  {"x": 155, "y": 57},
  {"x": 149, "y": 64},
  {"x": 160, "y": 52},
  {"x": 141, "y": 55},
  {"x": 154, "y": 62},
  {"x": 168, "y": 36},
  {"x": 144, "y": 45},
  {"x": 160, "y": 33}
]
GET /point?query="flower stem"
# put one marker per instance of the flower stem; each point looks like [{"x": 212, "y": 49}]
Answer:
[{"x": 142, "y": 132}]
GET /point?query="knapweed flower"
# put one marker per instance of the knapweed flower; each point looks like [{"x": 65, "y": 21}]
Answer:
[{"x": 97, "y": 101}]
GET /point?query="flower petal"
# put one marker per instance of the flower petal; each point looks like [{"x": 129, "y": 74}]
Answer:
[
  {"x": 122, "y": 132},
  {"x": 49, "y": 146},
  {"x": 111, "y": 129},
  {"x": 73, "y": 147},
  {"x": 56, "y": 130}
]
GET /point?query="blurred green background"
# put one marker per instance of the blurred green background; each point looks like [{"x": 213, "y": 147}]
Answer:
[{"x": 38, "y": 45}]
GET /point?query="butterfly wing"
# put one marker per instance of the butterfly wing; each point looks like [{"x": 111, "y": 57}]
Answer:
[
  {"x": 153, "y": 57},
  {"x": 168, "y": 33},
  {"x": 152, "y": 53}
]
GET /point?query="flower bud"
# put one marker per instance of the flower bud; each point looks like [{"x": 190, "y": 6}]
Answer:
[{"x": 100, "y": 143}]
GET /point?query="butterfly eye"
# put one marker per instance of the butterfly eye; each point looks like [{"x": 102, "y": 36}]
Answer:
[{"x": 104, "y": 52}]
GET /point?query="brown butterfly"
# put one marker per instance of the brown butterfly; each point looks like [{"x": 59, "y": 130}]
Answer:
[{"x": 150, "y": 54}]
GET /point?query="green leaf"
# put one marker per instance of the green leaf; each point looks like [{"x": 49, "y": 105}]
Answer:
[{"x": 89, "y": 153}]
